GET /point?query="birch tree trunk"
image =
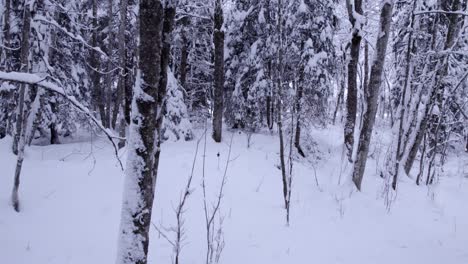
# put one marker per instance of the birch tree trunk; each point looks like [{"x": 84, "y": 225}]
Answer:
[
  {"x": 218, "y": 40},
  {"x": 375, "y": 81},
  {"x": 351, "y": 99},
  {"x": 19, "y": 142}
]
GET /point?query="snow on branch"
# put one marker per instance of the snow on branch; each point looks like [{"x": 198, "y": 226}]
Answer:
[
  {"x": 54, "y": 23},
  {"x": 34, "y": 79},
  {"x": 461, "y": 13}
]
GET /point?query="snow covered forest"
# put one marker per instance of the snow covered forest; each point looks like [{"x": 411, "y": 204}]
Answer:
[{"x": 227, "y": 131}]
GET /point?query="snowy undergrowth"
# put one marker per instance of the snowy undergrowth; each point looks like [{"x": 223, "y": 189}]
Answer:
[{"x": 71, "y": 198}]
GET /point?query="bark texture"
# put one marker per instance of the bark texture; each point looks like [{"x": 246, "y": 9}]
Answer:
[
  {"x": 351, "y": 99},
  {"x": 372, "y": 96},
  {"x": 140, "y": 176},
  {"x": 19, "y": 141},
  {"x": 218, "y": 40}
]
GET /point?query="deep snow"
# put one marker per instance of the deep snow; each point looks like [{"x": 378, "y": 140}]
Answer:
[{"x": 71, "y": 200}]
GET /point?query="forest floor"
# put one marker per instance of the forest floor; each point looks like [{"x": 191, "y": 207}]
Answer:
[{"x": 71, "y": 199}]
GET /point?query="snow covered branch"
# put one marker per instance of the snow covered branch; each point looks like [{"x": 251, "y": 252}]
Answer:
[
  {"x": 33, "y": 79},
  {"x": 461, "y": 13}
]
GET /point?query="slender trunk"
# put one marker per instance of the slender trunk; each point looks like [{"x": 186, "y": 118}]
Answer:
[
  {"x": 183, "y": 59},
  {"x": 421, "y": 162},
  {"x": 351, "y": 100},
  {"x": 97, "y": 93},
  {"x": 19, "y": 142},
  {"x": 373, "y": 93},
  {"x": 119, "y": 103},
  {"x": 218, "y": 72},
  {"x": 129, "y": 82},
  {"x": 168, "y": 25},
  {"x": 36, "y": 98},
  {"x": 4, "y": 53},
  {"x": 339, "y": 100},
  {"x": 297, "y": 136},
  {"x": 54, "y": 136},
  {"x": 270, "y": 111},
  {"x": 111, "y": 112},
  {"x": 279, "y": 106}
]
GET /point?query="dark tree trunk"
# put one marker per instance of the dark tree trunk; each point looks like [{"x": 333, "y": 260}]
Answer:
[
  {"x": 183, "y": 59},
  {"x": 97, "y": 93},
  {"x": 129, "y": 81},
  {"x": 54, "y": 136},
  {"x": 218, "y": 40},
  {"x": 339, "y": 101},
  {"x": 297, "y": 136},
  {"x": 140, "y": 177},
  {"x": 373, "y": 93},
  {"x": 351, "y": 100},
  {"x": 119, "y": 102}
]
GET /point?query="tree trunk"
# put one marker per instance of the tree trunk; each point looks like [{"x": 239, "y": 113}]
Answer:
[
  {"x": 119, "y": 102},
  {"x": 19, "y": 142},
  {"x": 54, "y": 136},
  {"x": 111, "y": 112},
  {"x": 351, "y": 99},
  {"x": 129, "y": 82},
  {"x": 373, "y": 93},
  {"x": 218, "y": 72},
  {"x": 339, "y": 101},
  {"x": 156, "y": 25},
  {"x": 279, "y": 106},
  {"x": 183, "y": 59},
  {"x": 97, "y": 93},
  {"x": 297, "y": 136},
  {"x": 4, "y": 53}
]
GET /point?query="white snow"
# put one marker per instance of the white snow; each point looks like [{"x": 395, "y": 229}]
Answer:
[{"x": 71, "y": 202}]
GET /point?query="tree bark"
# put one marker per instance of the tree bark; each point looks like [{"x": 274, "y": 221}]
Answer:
[
  {"x": 111, "y": 112},
  {"x": 19, "y": 142},
  {"x": 183, "y": 59},
  {"x": 351, "y": 99},
  {"x": 156, "y": 24},
  {"x": 218, "y": 40},
  {"x": 97, "y": 94},
  {"x": 54, "y": 136},
  {"x": 279, "y": 106},
  {"x": 119, "y": 103},
  {"x": 297, "y": 136},
  {"x": 372, "y": 96}
]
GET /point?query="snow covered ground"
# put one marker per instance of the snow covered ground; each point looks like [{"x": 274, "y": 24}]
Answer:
[{"x": 71, "y": 196}]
